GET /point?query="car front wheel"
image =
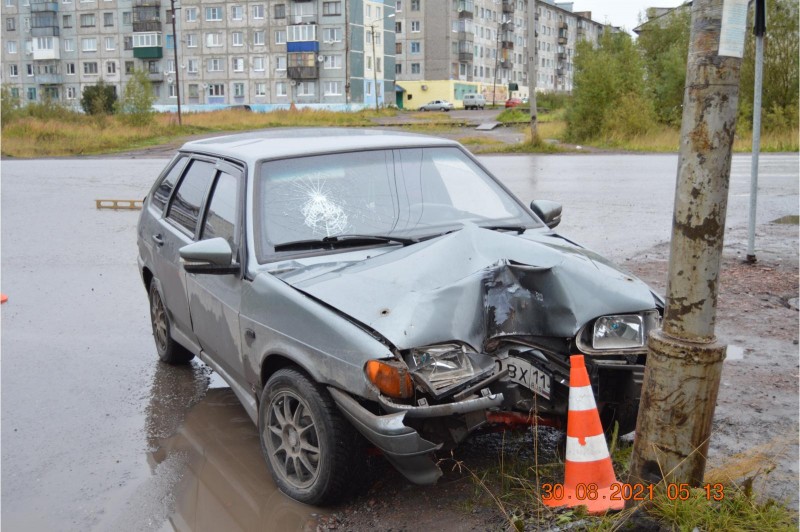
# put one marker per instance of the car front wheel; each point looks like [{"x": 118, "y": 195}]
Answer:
[
  {"x": 169, "y": 350},
  {"x": 314, "y": 455}
]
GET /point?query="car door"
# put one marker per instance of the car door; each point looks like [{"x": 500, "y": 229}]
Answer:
[
  {"x": 215, "y": 299},
  {"x": 175, "y": 230}
]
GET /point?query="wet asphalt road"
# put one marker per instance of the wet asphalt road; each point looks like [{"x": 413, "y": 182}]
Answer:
[{"x": 97, "y": 435}]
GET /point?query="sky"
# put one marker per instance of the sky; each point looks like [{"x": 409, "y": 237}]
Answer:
[{"x": 620, "y": 12}]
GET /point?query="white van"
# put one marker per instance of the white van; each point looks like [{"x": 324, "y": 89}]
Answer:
[{"x": 474, "y": 100}]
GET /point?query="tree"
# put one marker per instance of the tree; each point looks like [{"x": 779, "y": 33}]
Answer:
[
  {"x": 609, "y": 97},
  {"x": 137, "y": 101},
  {"x": 99, "y": 99},
  {"x": 779, "y": 98},
  {"x": 9, "y": 104},
  {"x": 665, "y": 45}
]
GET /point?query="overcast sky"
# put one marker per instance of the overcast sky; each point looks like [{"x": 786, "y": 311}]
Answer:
[{"x": 620, "y": 12}]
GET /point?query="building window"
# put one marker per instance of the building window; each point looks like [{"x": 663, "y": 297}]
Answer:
[
  {"x": 302, "y": 33},
  {"x": 332, "y": 35},
  {"x": 70, "y": 69},
  {"x": 280, "y": 36},
  {"x": 236, "y": 12},
  {"x": 258, "y": 38},
  {"x": 258, "y": 64},
  {"x": 369, "y": 88},
  {"x": 261, "y": 89},
  {"x": 173, "y": 91},
  {"x": 87, "y": 20},
  {"x": 110, "y": 44},
  {"x": 126, "y": 18},
  {"x": 280, "y": 10},
  {"x": 333, "y": 88},
  {"x": 238, "y": 64},
  {"x": 378, "y": 64},
  {"x": 416, "y": 47},
  {"x": 146, "y": 40},
  {"x": 238, "y": 90},
  {"x": 193, "y": 66},
  {"x": 213, "y": 14},
  {"x": 332, "y": 62},
  {"x": 306, "y": 88},
  {"x": 11, "y": 46},
  {"x": 398, "y": 27},
  {"x": 11, "y": 24},
  {"x": 66, "y": 21},
  {"x": 191, "y": 40},
  {"x": 280, "y": 89},
  {"x": 89, "y": 44},
  {"x": 398, "y": 68},
  {"x": 191, "y": 14},
  {"x": 111, "y": 67},
  {"x": 32, "y": 94},
  {"x": 13, "y": 70},
  {"x": 214, "y": 65},
  {"x": 415, "y": 69},
  {"x": 71, "y": 93},
  {"x": 414, "y": 5},
  {"x": 280, "y": 62},
  {"x": 237, "y": 38},
  {"x": 216, "y": 89},
  {"x": 213, "y": 40},
  {"x": 108, "y": 19},
  {"x": 398, "y": 6},
  {"x": 398, "y": 48},
  {"x": 90, "y": 68},
  {"x": 194, "y": 90},
  {"x": 170, "y": 66},
  {"x": 258, "y": 11},
  {"x": 129, "y": 67},
  {"x": 331, "y": 8},
  {"x": 415, "y": 26}
]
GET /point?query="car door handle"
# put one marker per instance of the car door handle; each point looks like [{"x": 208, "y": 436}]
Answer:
[{"x": 158, "y": 239}]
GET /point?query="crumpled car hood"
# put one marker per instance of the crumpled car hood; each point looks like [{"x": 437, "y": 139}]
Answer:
[{"x": 474, "y": 285}]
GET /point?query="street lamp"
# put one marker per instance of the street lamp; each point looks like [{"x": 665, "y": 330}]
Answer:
[{"x": 374, "y": 57}]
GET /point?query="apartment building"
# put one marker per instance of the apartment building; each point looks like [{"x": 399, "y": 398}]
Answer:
[
  {"x": 446, "y": 48},
  {"x": 264, "y": 53}
]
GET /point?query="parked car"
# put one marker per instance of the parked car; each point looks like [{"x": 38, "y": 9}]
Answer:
[
  {"x": 357, "y": 286},
  {"x": 437, "y": 105},
  {"x": 513, "y": 102},
  {"x": 473, "y": 101}
]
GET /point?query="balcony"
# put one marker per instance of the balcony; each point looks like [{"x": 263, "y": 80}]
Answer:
[
  {"x": 560, "y": 72},
  {"x": 147, "y": 3},
  {"x": 563, "y": 26},
  {"x": 509, "y": 6},
  {"x": 155, "y": 76},
  {"x": 561, "y": 56},
  {"x": 465, "y": 8},
  {"x": 148, "y": 52},
  {"x": 49, "y": 79},
  {"x": 45, "y": 31},
  {"x": 465, "y": 57},
  {"x": 562, "y": 40},
  {"x": 47, "y": 54},
  {"x": 507, "y": 64},
  {"x": 509, "y": 26},
  {"x": 302, "y": 72},
  {"x": 507, "y": 42},
  {"x": 581, "y": 31},
  {"x": 44, "y": 7},
  {"x": 147, "y": 26},
  {"x": 307, "y": 18}
]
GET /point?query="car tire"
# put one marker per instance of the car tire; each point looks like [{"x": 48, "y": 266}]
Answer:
[
  {"x": 317, "y": 457},
  {"x": 168, "y": 349}
]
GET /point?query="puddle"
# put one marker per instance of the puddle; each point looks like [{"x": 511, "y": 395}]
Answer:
[{"x": 221, "y": 481}]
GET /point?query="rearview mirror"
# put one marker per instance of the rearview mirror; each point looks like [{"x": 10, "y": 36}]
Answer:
[
  {"x": 208, "y": 256},
  {"x": 548, "y": 211}
]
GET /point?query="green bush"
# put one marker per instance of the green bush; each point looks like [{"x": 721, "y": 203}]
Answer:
[
  {"x": 136, "y": 106},
  {"x": 99, "y": 99},
  {"x": 9, "y": 105}
]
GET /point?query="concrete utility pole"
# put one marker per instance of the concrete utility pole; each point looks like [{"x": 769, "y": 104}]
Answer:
[
  {"x": 759, "y": 29},
  {"x": 533, "y": 63},
  {"x": 684, "y": 360},
  {"x": 177, "y": 65}
]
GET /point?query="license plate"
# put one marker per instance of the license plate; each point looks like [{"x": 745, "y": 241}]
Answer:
[{"x": 526, "y": 374}]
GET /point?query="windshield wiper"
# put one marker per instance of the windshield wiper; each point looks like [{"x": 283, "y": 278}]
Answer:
[
  {"x": 518, "y": 228},
  {"x": 339, "y": 241}
]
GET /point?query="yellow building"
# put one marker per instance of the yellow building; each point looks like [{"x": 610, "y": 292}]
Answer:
[{"x": 413, "y": 94}]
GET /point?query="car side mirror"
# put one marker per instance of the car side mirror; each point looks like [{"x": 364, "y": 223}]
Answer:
[
  {"x": 213, "y": 256},
  {"x": 548, "y": 211}
]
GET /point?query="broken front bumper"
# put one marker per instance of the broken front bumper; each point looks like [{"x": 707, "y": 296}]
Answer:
[{"x": 407, "y": 451}]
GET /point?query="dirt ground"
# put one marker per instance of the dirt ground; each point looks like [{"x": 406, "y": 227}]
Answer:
[{"x": 755, "y": 431}]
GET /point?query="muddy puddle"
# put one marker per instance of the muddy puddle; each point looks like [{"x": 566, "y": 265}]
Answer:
[{"x": 208, "y": 472}]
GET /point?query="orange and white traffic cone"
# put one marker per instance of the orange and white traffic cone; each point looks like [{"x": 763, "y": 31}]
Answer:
[{"x": 588, "y": 473}]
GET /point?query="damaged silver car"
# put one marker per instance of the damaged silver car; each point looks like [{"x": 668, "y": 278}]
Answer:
[{"x": 368, "y": 288}]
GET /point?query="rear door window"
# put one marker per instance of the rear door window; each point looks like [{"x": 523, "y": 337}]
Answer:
[
  {"x": 162, "y": 193},
  {"x": 187, "y": 203}
]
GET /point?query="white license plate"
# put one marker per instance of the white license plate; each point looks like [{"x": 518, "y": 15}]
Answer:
[{"x": 526, "y": 374}]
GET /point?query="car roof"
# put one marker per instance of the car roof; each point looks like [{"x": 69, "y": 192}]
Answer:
[{"x": 289, "y": 142}]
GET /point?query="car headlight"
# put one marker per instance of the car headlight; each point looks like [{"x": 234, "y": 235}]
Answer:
[
  {"x": 441, "y": 368},
  {"x": 618, "y": 332}
]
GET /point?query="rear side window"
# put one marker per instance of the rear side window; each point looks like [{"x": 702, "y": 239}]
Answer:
[
  {"x": 221, "y": 220},
  {"x": 185, "y": 207},
  {"x": 161, "y": 194}
]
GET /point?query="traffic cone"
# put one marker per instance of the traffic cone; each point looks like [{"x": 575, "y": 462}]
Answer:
[{"x": 588, "y": 472}]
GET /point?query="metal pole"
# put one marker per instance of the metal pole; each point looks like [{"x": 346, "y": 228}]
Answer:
[
  {"x": 759, "y": 30},
  {"x": 374, "y": 66},
  {"x": 684, "y": 360},
  {"x": 177, "y": 66},
  {"x": 532, "y": 65},
  {"x": 496, "y": 57}
]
